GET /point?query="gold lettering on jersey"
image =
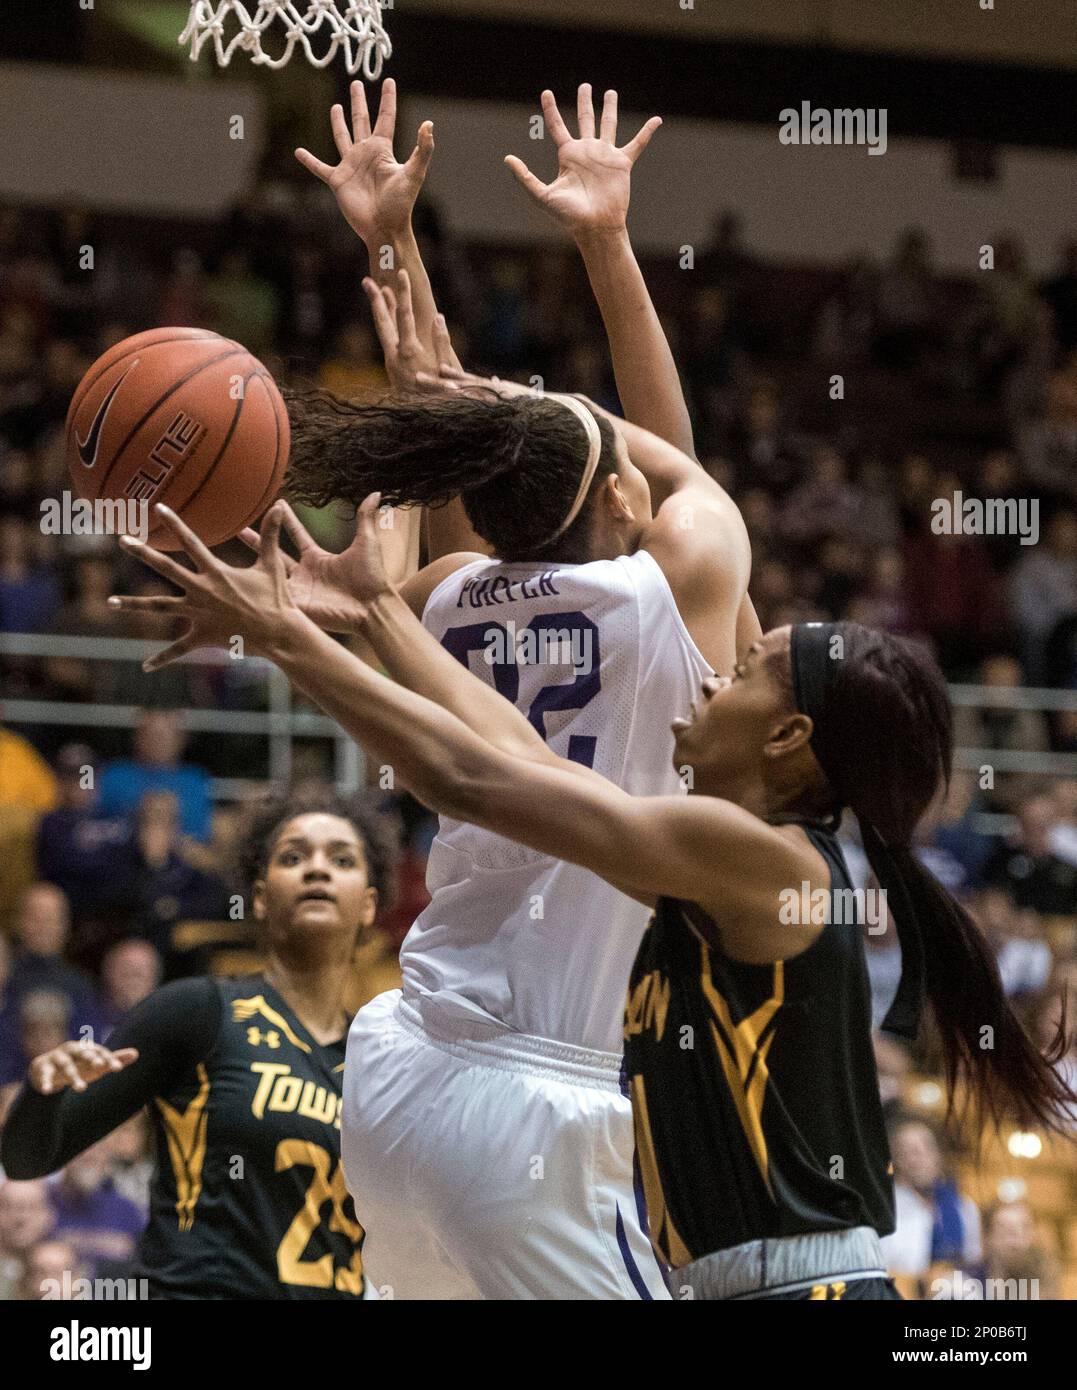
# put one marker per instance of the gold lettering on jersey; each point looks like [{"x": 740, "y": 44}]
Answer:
[
  {"x": 278, "y": 1090},
  {"x": 648, "y": 1005},
  {"x": 256, "y": 1037}
]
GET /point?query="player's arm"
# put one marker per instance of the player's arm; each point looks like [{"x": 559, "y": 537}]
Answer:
[
  {"x": 590, "y": 197},
  {"x": 354, "y": 592},
  {"x": 77, "y": 1093},
  {"x": 699, "y": 539},
  {"x": 412, "y": 369},
  {"x": 376, "y": 194},
  {"x": 701, "y": 849}
]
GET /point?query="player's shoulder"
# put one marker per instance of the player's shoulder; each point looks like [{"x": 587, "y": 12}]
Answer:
[{"x": 421, "y": 588}]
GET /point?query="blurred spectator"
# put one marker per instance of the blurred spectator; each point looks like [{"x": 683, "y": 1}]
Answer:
[
  {"x": 27, "y": 790},
  {"x": 159, "y": 740},
  {"x": 845, "y": 327},
  {"x": 994, "y": 727},
  {"x": 1045, "y": 587},
  {"x": 953, "y": 596},
  {"x": 1047, "y": 443},
  {"x": 826, "y": 505},
  {"x": 242, "y": 305},
  {"x": 905, "y": 303},
  {"x": 1060, "y": 292},
  {"x": 892, "y": 1064},
  {"x": 130, "y": 972},
  {"x": 42, "y": 1021},
  {"x": 1063, "y": 834},
  {"x": 184, "y": 293},
  {"x": 90, "y": 1214},
  {"x": 1055, "y": 1010},
  {"x": 934, "y": 1222},
  {"x": 87, "y": 614},
  {"x": 26, "y": 1218},
  {"x": 133, "y": 1159},
  {"x": 764, "y": 451},
  {"x": 29, "y": 592},
  {"x": 41, "y": 935},
  {"x": 1026, "y": 865},
  {"x": 950, "y": 845},
  {"x": 73, "y": 841},
  {"x": 44, "y": 1269},
  {"x": 1016, "y": 937},
  {"x": 883, "y": 954},
  {"x": 155, "y": 885},
  {"x": 354, "y": 371},
  {"x": 1014, "y": 1258}
]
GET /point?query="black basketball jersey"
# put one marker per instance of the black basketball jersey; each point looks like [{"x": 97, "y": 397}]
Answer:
[
  {"x": 249, "y": 1189},
  {"x": 248, "y": 1198},
  {"x": 754, "y": 1092}
]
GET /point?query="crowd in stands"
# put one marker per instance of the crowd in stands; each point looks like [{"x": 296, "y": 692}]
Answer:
[{"x": 109, "y": 840}]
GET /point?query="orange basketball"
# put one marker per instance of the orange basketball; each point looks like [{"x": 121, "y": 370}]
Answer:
[{"x": 185, "y": 417}]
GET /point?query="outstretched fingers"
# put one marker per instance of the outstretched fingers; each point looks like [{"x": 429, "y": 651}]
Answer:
[
  {"x": 187, "y": 643},
  {"x": 341, "y": 134},
  {"x": 384, "y": 319},
  {"x": 146, "y": 603},
  {"x": 360, "y": 113},
  {"x": 385, "y": 125},
  {"x": 317, "y": 167},
  {"x": 423, "y": 153},
  {"x": 253, "y": 541},
  {"x": 157, "y": 560},
  {"x": 200, "y": 553},
  {"x": 642, "y": 138},
  {"x": 301, "y": 537},
  {"x": 585, "y": 111},
  {"x": 559, "y": 132},
  {"x": 608, "y": 129},
  {"x": 533, "y": 185},
  {"x": 270, "y": 553}
]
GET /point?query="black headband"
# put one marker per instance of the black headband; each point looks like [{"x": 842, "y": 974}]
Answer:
[
  {"x": 816, "y": 660},
  {"x": 816, "y": 653}
]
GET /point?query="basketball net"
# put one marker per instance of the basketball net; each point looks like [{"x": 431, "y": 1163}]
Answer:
[{"x": 353, "y": 25}]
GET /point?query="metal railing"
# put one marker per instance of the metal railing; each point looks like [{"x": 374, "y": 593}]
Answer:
[{"x": 282, "y": 724}]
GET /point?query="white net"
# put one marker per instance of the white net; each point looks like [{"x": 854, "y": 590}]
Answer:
[{"x": 319, "y": 27}]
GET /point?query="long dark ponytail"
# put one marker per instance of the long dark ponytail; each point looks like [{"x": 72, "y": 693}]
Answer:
[
  {"x": 516, "y": 462},
  {"x": 887, "y": 749}
]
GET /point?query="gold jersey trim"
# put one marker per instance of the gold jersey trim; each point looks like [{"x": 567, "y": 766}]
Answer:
[
  {"x": 243, "y": 1009},
  {"x": 186, "y": 1137}
]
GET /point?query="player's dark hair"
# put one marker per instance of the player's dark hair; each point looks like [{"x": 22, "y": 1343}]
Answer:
[
  {"x": 516, "y": 462},
  {"x": 889, "y": 701},
  {"x": 376, "y": 827}
]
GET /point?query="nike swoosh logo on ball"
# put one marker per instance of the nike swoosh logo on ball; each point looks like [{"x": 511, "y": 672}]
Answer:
[{"x": 88, "y": 447}]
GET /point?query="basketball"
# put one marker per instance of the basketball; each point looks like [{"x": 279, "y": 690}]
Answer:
[{"x": 185, "y": 417}]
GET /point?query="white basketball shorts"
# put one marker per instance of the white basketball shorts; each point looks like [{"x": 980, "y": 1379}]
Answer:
[{"x": 490, "y": 1166}]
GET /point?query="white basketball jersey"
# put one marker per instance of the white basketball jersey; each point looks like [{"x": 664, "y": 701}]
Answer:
[{"x": 598, "y": 659}]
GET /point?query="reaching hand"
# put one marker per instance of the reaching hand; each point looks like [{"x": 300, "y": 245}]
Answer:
[
  {"x": 76, "y": 1064},
  {"x": 405, "y": 355},
  {"x": 450, "y": 378},
  {"x": 373, "y": 190},
  {"x": 592, "y": 187},
  {"x": 333, "y": 590},
  {"x": 219, "y": 601}
]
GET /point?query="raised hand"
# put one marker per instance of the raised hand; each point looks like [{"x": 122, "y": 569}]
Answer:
[
  {"x": 406, "y": 356},
  {"x": 593, "y": 183},
  {"x": 450, "y": 378},
  {"x": 374, "y": 191},
  {"x": 333, "y": 590},
  {"x": 219, "y": 601},
  {"x": 76, "y": 1065}
]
